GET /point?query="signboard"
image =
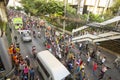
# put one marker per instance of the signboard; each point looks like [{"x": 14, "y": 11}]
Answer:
[
  {"x": 18, "y": 23},
  {"x": 17, "y": 20}
]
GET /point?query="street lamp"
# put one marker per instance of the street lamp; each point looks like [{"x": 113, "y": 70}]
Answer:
[{"x": 65, "y": 2}]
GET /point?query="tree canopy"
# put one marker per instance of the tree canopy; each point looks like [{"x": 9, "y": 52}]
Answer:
[
  {"x": 41, "y": 7},
  {"x": 115, "y": 7}
]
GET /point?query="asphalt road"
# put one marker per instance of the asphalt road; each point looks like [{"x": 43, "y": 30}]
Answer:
[{"x": 26, "y": 50}]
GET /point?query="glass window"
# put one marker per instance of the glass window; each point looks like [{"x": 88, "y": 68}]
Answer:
[
  {"x": 2, "y": 68},
  {"x": 45, "y": 71}
]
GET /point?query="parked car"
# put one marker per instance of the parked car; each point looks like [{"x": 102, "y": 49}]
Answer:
[{"x": 25, "y": 36}]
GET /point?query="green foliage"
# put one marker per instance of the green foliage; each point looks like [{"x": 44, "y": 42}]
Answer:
[
  {"x": 19, "y": 8},
  {"x": 95, "y": 18},
  {"x": 84, "y": 17},
  {"x": 38, "y": 7},
  {"x": 71, "y": 26},
  {"x": 111, "y": 12},
  {"x": 11, "y": 7},
  {"x": 108, "y": 14},
  {"x": 115, "y": 7},
  {"x": 71, "y": 10},
  {"x": 2, "y": 25},
  {"x": 29, "y": 7}
]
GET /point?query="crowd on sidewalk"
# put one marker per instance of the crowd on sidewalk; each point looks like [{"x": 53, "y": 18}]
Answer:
[{"x": 23, "y": 68}]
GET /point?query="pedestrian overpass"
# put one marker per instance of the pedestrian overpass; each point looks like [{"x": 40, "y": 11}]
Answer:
[
  {"x": 103, "y": 36},
  {"x": 97, "y": 38}
]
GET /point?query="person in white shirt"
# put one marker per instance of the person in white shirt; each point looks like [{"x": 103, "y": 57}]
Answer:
[
  {"x": 103, "y": 60},
  {"x": 80, "y": 46}
]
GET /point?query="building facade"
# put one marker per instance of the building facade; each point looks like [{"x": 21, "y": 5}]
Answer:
[
  {"x": 94, "y": 6},
  {"x": 82, "y": 6}
]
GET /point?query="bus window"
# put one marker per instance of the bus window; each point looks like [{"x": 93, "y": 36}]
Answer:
[
  {"x": 45, "y": 71},
  {"x": 2, "y": 68}
]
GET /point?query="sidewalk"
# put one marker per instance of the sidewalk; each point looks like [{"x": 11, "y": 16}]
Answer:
[
  {"x": 9, "y": 75},
  {"x": 113, "y": 72}
]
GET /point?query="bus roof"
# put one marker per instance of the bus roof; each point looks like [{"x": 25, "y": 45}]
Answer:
[{"x": 57, "y": 69}]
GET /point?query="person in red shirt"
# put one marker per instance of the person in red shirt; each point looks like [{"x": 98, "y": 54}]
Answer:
[
  {"x": 48, "y": 46},
  {"x": 95, "y": 66}
]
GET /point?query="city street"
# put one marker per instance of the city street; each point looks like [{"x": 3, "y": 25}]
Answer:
[
  {"x": 77, "y": 40},
  {"x": 26, "y": 50}
]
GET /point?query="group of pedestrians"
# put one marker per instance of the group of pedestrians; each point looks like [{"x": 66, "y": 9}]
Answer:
[
  {"x": 61, "y": 46},
  {"x": 23, "y": 68}
]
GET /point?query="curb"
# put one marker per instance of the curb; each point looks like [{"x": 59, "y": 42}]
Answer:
[{"x": 8, "y": 75}]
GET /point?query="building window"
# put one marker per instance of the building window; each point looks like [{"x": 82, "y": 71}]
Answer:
[{"x": 2, "y": 68}]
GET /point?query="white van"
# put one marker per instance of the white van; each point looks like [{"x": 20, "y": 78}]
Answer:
[{"x": 50, "y": 68}]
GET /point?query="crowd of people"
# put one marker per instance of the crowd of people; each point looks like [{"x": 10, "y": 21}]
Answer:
[
  {"x": 62, "y": 47},
  {"x": 23, "y": 68}
]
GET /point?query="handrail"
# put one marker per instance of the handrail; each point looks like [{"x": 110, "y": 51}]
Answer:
[{"x": 99, "y": 37}]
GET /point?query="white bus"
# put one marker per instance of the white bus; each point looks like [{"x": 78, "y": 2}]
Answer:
[{"x": 50, "y": 68}]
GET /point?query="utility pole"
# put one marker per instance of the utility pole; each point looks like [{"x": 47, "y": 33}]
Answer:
[{"x": 64, "y": 22}]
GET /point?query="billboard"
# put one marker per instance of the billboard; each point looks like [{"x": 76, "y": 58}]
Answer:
[{"x": 18, "y": 23}]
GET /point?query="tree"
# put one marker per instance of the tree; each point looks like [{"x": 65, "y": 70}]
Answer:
[
  {"x": 42, "y": 7},
  {"x": 28, "y": 7},
  {"x": 95, "y": 18},
  {"x": 3, "y": 17},
  {"x": 115, "y": 7},
  {"x": 112, "y": 11}
]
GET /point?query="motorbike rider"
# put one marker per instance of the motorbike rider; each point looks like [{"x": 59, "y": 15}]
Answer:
[
  {"x": 34, "y": 34},
  {"x": 39, "y": 34},
  {"x": 34, "y": 51}
]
